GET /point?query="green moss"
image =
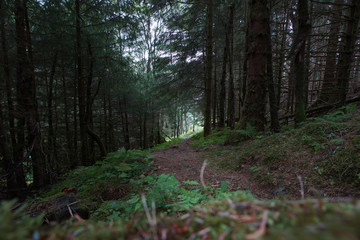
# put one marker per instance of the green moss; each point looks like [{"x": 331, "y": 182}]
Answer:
[
  {"x": 343, "y": 166},
  {"x": 170, "y": 144},
  {"x": 218, "y": 137}
]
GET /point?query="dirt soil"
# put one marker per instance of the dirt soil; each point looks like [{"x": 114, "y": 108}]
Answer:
[{"x": 185, "y": 163}]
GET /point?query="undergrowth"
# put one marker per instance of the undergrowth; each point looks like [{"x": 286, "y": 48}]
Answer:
[
  {"x": 186, "y": 210},
  {"x": 332, "y": 137},
  {"x": 237, "y": 217},
  {"x": 165, "y": 193},
  {"x": 117, "y": 168}
]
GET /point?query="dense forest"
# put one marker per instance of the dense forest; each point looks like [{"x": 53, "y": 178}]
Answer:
[{"x": 85, "y": 80}]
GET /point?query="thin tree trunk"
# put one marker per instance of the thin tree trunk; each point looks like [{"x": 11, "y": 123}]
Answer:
[
  {"x": 299, "y": 51},
  {"x": 6, "y": 161},
  {"x": 81, "y": 89},
  {"x": 67, "y": 125},
  {"x": 6, "y": 68},
  {"x": 347, "y": 51},
  {"x": 22, "y": 94},
  {"x": 125, "y": 123},
  {"x": 215, "y": 102},
  {"x": 76, "y": 161},
  {"x": 209, "y": 53},
  {"x": 222, "y": 95},
  {"x": 88, "y": 113},
  {"x": 275, "y": 125},
  {"x": 328, "y": 90},
  {"x": 231, "y": 91},
  {"x": 52, "y": 147}
]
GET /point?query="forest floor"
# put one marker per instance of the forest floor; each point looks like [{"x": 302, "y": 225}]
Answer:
[{"x": 185, "y": 163}]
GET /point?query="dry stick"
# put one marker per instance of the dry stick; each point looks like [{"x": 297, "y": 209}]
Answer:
[
  {"x": 202, "y": 177},
  {"x": 301, "y": 187},
  {"x": 68, "y": 206},
  {"x": 151, "y": 219},
  {"x": 261, "y": 231},
  {"x": 70, "y": 211}
]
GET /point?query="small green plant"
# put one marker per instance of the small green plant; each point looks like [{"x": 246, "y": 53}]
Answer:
[
  {"x": 217, "y": 137},
  {"x": 16, "y": 224},
  {"x": 255, "y": 169},
  {"x": 93, "y": 181}
]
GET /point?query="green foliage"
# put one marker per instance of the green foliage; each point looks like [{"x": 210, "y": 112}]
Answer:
[
  {"x": 240, "y": 135},
  {"x": 216, "y": 138},
  {"x": 166, "y": 194},
  {"x": 93, "y": 181},
  {"x": 169, "y": 144},
  {"x": 15, "y": 224},
  {"x": 235, "y": 218},
  {"x": 343, "y": 165}
]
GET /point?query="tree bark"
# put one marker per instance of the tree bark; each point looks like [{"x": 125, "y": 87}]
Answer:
[
  {"x": 347, "y": 52},
  {"x": 328, "y": 89},
  {"x": 299, "y": 51},
  {"x": 215, "y": 102},
  {"x": 209, "y": 53},
  {"x": 23, "y": 95},
  {"x": 274, "y": 108},
  {"x": 70, "y": 154},
  {"x": 222, "y": 95},
  {"x": 81, "y": 89},
  {"x": 88, "y": 112},
  {"x": 6, "y": 68},
  {"x": 231, "y": 91},
  {"x": 253, "y": 111},
  {"x": 7, "y": 161},
  {"x": 52, "y": 147}
]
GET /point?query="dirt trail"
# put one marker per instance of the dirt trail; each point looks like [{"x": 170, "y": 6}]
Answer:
[{"x": 185, "y": 163}]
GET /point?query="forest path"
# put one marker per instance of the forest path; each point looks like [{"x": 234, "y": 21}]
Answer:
[{"x": 185, "y": 163}]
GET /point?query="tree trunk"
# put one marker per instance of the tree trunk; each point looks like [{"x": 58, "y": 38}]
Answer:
[
  {"x": 88, "y": 113},
  {"x": 81, "y": 89},
  {"x": 222, "y": 95},
  {"x": 7, "y": 161},
  {"x": 209, "y": 53},
  {"x": 70, "y": 154},
  {"x": 274, "y": 108},
  {"x": 23, "y": 92},
  {"x": 6, "y": 68},
  {"x": 253, "y": 111},
  {"x": 51, "y": 147},
  {"x": 231, "y": 91},
  {"x": 215, "y": 102},
  {"x": 347, "y": 52},
  {"x": 76, "y": 161},
  {"x": 299, "y": 51},
  {"x": 328, "y": 89},
  {"x": 125, "y": 123}
]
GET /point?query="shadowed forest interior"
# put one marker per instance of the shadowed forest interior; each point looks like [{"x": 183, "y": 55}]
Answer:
[{"x": 86, "y": 82}]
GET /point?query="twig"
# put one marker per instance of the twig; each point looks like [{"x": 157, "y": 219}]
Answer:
[
  {"x": 261, "y": 231},
  {"x": 151, "y": 219},
  {"x": 301, "y": 187},
  {"x": 77, "y": 217},
  {"x": 70, "y": 211},
  {"x": 69, "y": 208},
  {"x": 202, "y": 176}
]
